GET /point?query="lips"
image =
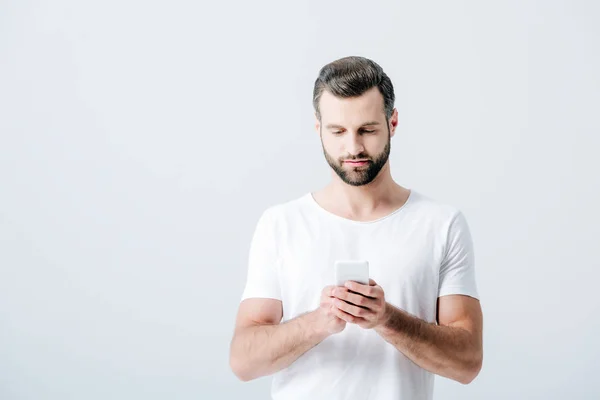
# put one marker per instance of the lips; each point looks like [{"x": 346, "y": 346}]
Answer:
[{"x": 356, "y": 163}]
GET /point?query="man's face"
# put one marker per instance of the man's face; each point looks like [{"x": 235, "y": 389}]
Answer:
[{"x": 355, "y": 135}]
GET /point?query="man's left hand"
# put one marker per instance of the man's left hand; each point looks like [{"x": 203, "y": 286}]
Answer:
[{"x": 360, "y": 304}]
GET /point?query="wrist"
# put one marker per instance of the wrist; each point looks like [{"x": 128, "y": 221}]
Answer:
[
  {"x": 388, "y": 316},
  {"x": 315, "y": 325}
]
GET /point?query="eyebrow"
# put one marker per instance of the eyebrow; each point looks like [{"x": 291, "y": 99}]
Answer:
[{"x": 330, "y": 126}]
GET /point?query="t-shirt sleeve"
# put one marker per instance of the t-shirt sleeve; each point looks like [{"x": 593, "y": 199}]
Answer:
[
  {"x": 262, "y": 279},
  {"x": 457, "y": 270}
]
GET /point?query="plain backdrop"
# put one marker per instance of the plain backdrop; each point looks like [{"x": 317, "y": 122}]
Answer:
[{"x": 141, "y": 140}]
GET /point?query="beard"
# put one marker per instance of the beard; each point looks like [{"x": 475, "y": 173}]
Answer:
[{"x": 361, "y": 175}]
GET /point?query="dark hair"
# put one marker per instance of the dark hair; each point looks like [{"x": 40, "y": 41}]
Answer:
[{"x": 351, "y": 77}]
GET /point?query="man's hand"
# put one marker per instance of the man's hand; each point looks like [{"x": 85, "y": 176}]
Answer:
[
  {"x": 327, "y": 312},
  {"x": 360, "y": 304}
]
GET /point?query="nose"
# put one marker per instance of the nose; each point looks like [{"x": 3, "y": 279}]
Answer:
[{"x": 354, "y": 144}]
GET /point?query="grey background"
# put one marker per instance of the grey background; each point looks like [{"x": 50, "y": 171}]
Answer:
[{"x": 141, "y": 140}]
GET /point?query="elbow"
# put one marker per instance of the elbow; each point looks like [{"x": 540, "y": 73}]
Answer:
[
  {"x": 240, "y": 366},
  {"x": 238, "y": 369},
  {"x": 471, "y": 370},
  {"x": 236, "y": 363}
]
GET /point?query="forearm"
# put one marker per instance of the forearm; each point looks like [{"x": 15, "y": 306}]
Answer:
[
  {"x": 265, "y": 349},
  {"x": 452, "y": 352}
]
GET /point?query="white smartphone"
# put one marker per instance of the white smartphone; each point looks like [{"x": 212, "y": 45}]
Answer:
[{"x": 351, "y": 270}]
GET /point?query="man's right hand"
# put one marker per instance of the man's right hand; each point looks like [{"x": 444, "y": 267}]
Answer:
[
  {"x": 329, "y": 322},
  {"x": 262, "y": 345}
]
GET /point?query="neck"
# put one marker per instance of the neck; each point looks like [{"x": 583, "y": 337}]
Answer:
[{"x": 380, "y": 192}]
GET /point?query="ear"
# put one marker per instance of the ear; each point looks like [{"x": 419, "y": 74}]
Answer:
[
  {"x": 317, "y": 124},
  {"x": 393, "y": 122}
]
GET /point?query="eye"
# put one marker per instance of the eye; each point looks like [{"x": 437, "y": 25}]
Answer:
[
  {"x": 337, "y": 132},
  {"x": 368, "y": 131}
]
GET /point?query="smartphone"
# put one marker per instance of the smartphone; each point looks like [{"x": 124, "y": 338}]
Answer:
[{"x": 351, "y": 270}]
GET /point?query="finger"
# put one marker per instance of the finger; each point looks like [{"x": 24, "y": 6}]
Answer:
[
  {"x": 349, "y": 318},
  {"x": 328, "y": 290},
  {"x": 352, "y": 309},
  {"x": 354, "y": 298},
  {"x": 345, "y": 316},
  {"x": 365, "y": 290}
]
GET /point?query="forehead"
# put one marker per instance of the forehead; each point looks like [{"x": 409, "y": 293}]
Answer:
[{"x": 352, "y": 111}]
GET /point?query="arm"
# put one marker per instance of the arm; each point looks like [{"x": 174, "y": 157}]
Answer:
[
  {"x": 262, "y": 346},
  {"x": 452, "y": 349}
]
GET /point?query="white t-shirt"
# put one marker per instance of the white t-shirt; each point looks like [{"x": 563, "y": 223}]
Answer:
[{"x": 417, "y": 253}]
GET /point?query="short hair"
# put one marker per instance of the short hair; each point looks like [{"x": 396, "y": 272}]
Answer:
[{"x": 351, "y": 77}]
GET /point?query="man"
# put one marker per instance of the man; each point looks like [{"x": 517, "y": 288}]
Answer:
[{"x": 420, "y": 314}]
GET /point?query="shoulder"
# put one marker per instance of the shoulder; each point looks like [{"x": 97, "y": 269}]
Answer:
[
  {"x": 276, "y": 213},
  {"x": 435, "y": 211}
]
